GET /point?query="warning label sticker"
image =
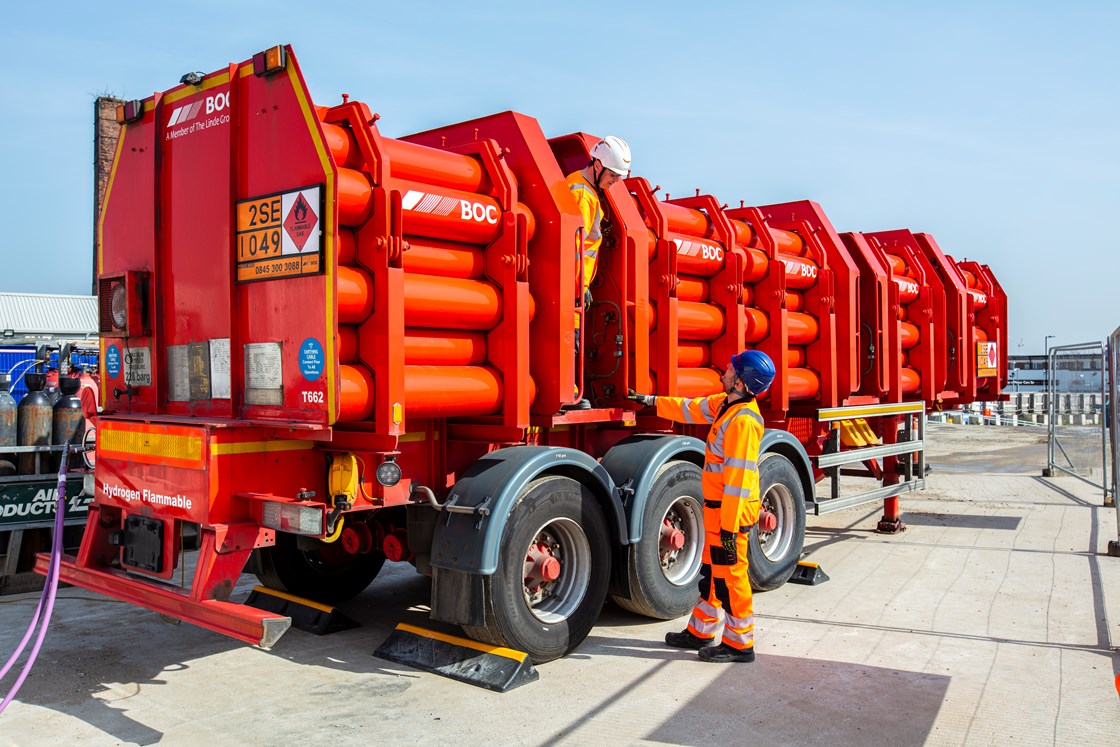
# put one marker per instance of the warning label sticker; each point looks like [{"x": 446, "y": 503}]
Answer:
[
  {"x": 987, "y": 359},
  {"x": 280, "y": 235}
]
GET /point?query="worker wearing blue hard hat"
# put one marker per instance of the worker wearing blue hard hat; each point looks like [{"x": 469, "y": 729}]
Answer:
[{"x": 732, "y": 500}]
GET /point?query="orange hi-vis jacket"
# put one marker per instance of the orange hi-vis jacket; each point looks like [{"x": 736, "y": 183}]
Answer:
[
  {"x": 587, "y": 197},
  {"x": 730, "y": 476}
]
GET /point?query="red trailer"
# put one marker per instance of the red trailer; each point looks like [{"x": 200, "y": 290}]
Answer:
[{"x": 329, "y": 348}]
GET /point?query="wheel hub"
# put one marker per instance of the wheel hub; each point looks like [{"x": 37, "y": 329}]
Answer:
[
  {"x": 767, "y": 521},
  {"x": 672, "y": 538},
  {"x": 541, "y": 566}
]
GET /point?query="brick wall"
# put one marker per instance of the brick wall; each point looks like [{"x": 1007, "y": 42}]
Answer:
[{"x": 105, "y": 131}]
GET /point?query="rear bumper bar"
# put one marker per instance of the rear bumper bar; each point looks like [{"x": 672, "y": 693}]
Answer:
[{"x": 247, "y": 624}]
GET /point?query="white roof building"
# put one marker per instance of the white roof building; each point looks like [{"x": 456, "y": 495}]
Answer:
[{"x": 31, "y": 317}]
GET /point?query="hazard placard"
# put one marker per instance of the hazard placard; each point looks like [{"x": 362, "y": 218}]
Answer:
[
  {"x": 280, "y": 235},
  {"x": 987, "y": 359}
]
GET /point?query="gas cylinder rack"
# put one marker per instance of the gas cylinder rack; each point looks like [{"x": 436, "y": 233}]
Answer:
[{"x": 345, "y": 348}]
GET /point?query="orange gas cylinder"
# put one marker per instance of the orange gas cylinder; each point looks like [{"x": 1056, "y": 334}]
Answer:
[
  {"x": 910, "y": 335},
  {"x": 757, "y": 323},
  {"x": 699, "y": 321},
  {"x": 347, "y": 247},
  {"x": 451, "y": 391},
  {"x": 907, "y": 289},
  {"x": 911, "y": 380},
  {"x": 356, "y": 393},
  {"x": 696, "y": 223},
  {"x": 355, "y": 295},
  {"x": 355, "y": 199},
  {"x": 803, "y": 383},
  {"x": 445, "y": 258},
  {"x": 691, "y": 289},
  {"x": 794, "y": 301},
  {"x": 795, "y": 357},
  {"x": 743, "y": 233},
  {"x": 437, "y": 302},
  {"x": 692, "y": 354},
  {"x": 444, "y": 213},
  {"x": 444, "y": 347},
  {"x": 970, "y": 280},
  {"x": 341, "y": 143},
  {"x": 898, "y": 265},
  {"x": 697, "y": 256},
  {"x": 803, "y": 329},
  {"x": 420, "y": 163},
  {"x": 755, "y": 265},
  {"x": 687, "y": 221},
  {"x": 981, "y": 335},
  {"x": 979, "y": 300},
  {"x": 800, "y": 273},
  {"x": 410, "y": 161},
  {"x": 347, "y": 343},
  {"x": 787, "y": 242},
  {"x": 697, "y": 382}
]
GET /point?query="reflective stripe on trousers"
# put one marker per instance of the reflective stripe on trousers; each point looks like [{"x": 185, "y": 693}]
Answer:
[{"x": 724, "y": 588}]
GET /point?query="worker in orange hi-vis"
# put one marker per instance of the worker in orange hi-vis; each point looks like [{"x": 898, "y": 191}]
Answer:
[
  {"x": 610, "y": 162},
  {"x": 731, "y": 504}
]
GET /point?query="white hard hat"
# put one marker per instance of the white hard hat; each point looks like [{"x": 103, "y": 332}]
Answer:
[{"x": 613, "y": 153}]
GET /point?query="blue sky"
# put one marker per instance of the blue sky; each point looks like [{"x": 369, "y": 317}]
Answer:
[{"x": 991, "y": 125}]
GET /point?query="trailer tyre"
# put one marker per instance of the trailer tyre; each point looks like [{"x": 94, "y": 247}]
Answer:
[
  {"x": 324, "y": 573},
  {"x": 774, "y": 555},
  {"x": 662, "y": 576},
  {"x": 552, "y": 578}
]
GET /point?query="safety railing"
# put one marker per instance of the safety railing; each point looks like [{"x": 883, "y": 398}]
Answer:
[
  {"x": 1090, "y": 352},
  {"x": 902, "y": 452}
]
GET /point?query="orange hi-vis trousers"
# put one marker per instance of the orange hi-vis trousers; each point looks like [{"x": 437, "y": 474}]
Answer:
[{"x": 724, "y": 589}]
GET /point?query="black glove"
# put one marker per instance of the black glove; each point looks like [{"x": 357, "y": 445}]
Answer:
[
  {"x": 726, "y": 553},
  {"x": 645, "y": 400},
  {"x": 587, "y": 299}
]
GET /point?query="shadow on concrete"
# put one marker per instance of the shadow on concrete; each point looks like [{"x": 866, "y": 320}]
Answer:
[
  {"x": 101, "y": 652},
  {"x": 963, "y": 521},
  {"x": 94, "y": 643},
  {"x": 790, "y": 700},
  {"x": 780, "y": 700}
]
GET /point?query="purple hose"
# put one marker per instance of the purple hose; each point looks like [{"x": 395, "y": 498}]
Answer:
[{"x": 46, "y": 601}]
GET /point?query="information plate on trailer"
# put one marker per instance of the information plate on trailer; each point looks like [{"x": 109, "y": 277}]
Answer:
[
  {"x": 987, "y": 359},
  {"x": 279, "y": 235}
]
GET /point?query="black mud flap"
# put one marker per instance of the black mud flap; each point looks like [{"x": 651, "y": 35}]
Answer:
[
  {"x": 306, "y": 615},
  {"x": 492, "y": 667}
]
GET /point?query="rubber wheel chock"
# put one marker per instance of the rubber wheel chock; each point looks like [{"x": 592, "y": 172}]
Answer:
[
  {"x": 307, "y": 615},
  {"x": 492, "y": 667},
  {"x": 809, "y": 574}
]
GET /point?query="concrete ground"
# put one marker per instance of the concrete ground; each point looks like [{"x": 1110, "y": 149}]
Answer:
[{"x": 992, "y": 620}]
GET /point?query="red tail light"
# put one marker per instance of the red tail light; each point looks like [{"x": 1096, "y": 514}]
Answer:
[{"x": 123, "y": 305}]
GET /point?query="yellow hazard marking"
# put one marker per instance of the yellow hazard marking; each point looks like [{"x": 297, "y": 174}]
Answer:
[
  {"x": 420, "y": 436},
  {"x": 291, "y": 598},
  {"x": 142, "y": 445},
  {"x": 259, "y": 447},
  {"x": 872, "y": 410},
  {"x": 328, "y": 228},
  {"x": 508, "y": 653},
  {"x": 807, "y": 564}
]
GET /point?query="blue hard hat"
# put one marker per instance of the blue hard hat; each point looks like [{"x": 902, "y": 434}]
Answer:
[{"x": 755, "y": 369}]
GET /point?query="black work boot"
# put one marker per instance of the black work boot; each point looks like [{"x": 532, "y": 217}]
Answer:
[
  {"x": 685, "y": 639},
  {"x": 724, "y": 654}
]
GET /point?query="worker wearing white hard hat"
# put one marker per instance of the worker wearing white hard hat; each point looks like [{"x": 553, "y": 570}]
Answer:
[{"x": 610, "y": 162}]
